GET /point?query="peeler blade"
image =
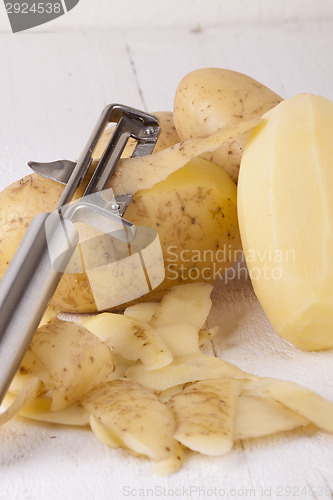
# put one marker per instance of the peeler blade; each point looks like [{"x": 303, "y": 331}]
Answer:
[{"x": 59, "y": 170}]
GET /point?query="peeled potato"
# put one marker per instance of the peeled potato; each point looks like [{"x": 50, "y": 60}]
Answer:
[
  {"x": 212, "y": 98},
  {"x": 285, "y": 209}
]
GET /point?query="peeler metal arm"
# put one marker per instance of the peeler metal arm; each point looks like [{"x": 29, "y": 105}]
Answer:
[
  {"x": 27, "y": 287},
  {"x": 33, "y": 276}
]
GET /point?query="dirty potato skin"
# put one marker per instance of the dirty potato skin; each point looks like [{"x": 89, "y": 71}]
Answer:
[
  {"x": 168, "y": 135},
  {"x": 208, "y": 99}
]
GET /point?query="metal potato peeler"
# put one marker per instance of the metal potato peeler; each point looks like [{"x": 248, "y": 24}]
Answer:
[{"x": 52, "y": 238}]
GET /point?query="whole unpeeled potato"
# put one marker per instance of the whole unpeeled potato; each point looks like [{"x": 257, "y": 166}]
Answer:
[{"x": 208, "y": 99}]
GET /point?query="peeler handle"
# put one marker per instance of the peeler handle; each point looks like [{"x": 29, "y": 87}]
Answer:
[{"x": 28, "y": 285}]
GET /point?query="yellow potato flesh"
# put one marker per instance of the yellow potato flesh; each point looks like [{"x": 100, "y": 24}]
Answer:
[
  {"x": 212, "y": 98},
  {"x": 285, "y": 209}
]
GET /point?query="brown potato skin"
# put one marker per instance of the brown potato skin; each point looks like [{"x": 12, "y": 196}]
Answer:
[
  {"x": 208, "y": 99},
  {"x": 19, "y": 204}
]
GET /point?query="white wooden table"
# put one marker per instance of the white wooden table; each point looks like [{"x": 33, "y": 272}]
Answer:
[{"x": 52, "y": 89}]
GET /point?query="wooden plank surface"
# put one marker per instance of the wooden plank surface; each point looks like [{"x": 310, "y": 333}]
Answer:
[{"x": 52, "y": 88}]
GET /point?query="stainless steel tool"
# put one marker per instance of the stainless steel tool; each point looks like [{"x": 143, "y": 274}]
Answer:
[{"x": 33, "y": 275}]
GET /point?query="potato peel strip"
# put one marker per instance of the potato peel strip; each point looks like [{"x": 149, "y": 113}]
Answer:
[
  {"x": 304, "y": 402},
  {"x": 40, "y": 409},
  {"x": 134, "y": 174},
  {"x": 27, "y": 393},
  {"x": 196, "y": 401}
]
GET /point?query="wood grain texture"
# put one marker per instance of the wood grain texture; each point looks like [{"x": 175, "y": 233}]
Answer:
[
  {"x": 52, "y": 90},
  {"x": 106, "y": 14}
]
